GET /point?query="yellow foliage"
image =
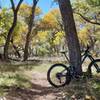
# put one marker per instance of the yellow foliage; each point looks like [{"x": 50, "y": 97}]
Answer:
[
  {"x": 25, "y": 10},
  {"x": 58, "y": 38},
  {"x": 38, "y": 11},
  {"x": 42, "y": 35},
  {"x": 50, "y": 19},
  {"x": 17, "y": 35},
  {"x": 2, "y": 40},
  {"x": 84, "y": 36}
]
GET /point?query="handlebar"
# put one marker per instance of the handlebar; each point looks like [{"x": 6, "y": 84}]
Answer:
[{"x": 87, "y": 50}]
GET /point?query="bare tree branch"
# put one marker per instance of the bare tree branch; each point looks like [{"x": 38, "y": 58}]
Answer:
[
  {"x": 15, "y": 9},
  {"x": 35, "y": 2},
  {"x": 19, "y": 5},
  {"x": 86, "y": 19},
  {"x": 13, "y": 5}
]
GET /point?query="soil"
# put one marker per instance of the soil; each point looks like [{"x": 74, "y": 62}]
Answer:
[{"x": 41, "y": 90}]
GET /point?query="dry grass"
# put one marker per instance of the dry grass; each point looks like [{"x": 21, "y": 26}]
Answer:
[{"x": 16, "y": 78}]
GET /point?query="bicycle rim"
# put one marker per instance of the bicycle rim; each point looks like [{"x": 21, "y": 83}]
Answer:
[
  {"x": 94, "y": 70},
  {"x": 57, "y": 75}
]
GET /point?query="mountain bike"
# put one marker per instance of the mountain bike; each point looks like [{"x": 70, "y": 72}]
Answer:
[{"x": 60, "y": 74}]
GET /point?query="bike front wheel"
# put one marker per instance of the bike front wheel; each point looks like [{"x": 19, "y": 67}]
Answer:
[
  {"x": 94, "y": 68},
  {"x": 58, "y": 75}
]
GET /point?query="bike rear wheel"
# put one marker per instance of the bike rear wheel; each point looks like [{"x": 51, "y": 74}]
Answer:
[
  {"x": 58, "y": 75},
  {"x": 94, "y": 68}
]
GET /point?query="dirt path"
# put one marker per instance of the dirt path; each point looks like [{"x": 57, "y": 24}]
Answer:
[
  {"x": 41, "y": 90},
  {"x": 44, "y": 90}
]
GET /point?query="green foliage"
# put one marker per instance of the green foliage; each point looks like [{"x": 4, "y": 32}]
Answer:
[
  {"x": 25, "y": 12},
  {"x": 18, "y": 75},
  {"x": 49, "y": 27},
  {"x": 58, "y": 38},
  {"x": 90, "y": 10},
  {"x": 13, "y": 76},
  {"x": 86, "y": 8},
  {"x": 2, "y": 40},
  {"x": 84, "y": 36},
  {"x": 52, "y": 20},
  {"x": 13, "y": 79},
  {"x": 93, "y": 2},
  {"x": 5, "y": 23}
]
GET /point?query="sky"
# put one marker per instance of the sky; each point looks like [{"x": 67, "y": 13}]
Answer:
[{"x": 45, "y": 5}]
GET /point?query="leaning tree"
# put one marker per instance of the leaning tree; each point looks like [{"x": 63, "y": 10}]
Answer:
[
  {"x": 15, "y": 10},
  {"x": 71, "y": 34},
  {"x": 30, "y": 26}
]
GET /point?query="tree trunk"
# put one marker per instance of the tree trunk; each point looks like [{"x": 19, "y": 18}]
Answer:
[
  {"x": 71, "y": 34},
  {"x": 28, "y": 36},
  {"x": 15, "y": 48},
  {"x": 8, "y": 39},
  {"x": 26, "y": 50},
  {"x": 9, "y": 35}
]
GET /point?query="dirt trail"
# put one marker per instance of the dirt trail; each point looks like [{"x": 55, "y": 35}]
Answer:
[
  {"x": 44, "y": 90},
  {"x": 41, "y": 90}
]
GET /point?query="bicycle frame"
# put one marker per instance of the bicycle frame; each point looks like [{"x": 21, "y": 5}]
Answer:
[
  {"x": 84, "y": 56},
  {"x": 69, "y": 71},
  {"x": 88, "y": 55}
]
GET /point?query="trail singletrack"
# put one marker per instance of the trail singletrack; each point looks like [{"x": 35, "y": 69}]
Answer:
[{"x": 41, "y": 90}]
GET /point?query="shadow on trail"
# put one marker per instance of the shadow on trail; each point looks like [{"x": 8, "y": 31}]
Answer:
[{"x": 37, "y": 92}]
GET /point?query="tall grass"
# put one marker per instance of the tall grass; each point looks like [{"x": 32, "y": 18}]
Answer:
[{"x": 18, "y": 74}]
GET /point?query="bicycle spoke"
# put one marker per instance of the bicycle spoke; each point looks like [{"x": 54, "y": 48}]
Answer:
[{"x": 57, "y": 75}]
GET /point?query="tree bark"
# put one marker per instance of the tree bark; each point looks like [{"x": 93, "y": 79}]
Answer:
[
  {"x": 9, "y": 35},
  {"x": 71, "y": 34},
  {"x": 28, "y": 36},
  {"x": 6, "y": 46},
  {"x": 16, "y": 49}
]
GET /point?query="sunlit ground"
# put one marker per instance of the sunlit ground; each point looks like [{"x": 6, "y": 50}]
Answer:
[{"x": 20, "y": 75}]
